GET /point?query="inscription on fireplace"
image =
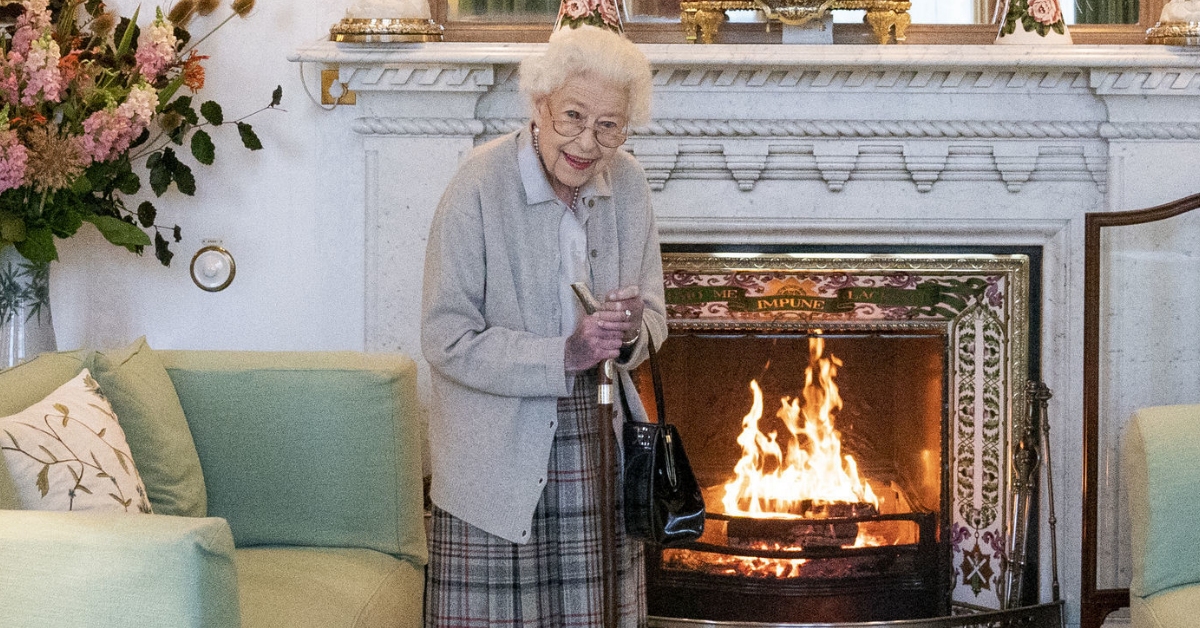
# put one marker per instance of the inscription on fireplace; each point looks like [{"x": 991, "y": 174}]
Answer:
[{"x": 737, "y": 299}]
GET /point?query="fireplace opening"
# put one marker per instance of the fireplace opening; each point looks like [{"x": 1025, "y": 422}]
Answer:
[
  {"x": 821, "y": 459},
  {"x": 902, "y": 378}
]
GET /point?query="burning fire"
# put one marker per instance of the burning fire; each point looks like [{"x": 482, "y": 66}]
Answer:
[{"x": 813, "y": 475}]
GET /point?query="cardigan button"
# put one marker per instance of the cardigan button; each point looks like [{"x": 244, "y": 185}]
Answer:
[
  {"x": 595, "y": 253},
  {"x": 591, "y": 202}
]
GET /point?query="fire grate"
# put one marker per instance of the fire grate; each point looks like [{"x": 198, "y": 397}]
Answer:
[
  {"x": 709, "y": 580},
  {"x": 1039, "y": 616}
]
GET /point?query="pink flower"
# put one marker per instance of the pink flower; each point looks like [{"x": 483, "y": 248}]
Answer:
[
  {"x": 109, "y": 132},
  {"x": 13, "y": 159},
  {"x": 156, "y": 49},
  {"x": 31, "y": 25},
  {"x": 609, "y": 13},
  {"x": 1045, "y": 11},
  {"x": 576, "y": 9},
  {"x": 42, "y": 74}
]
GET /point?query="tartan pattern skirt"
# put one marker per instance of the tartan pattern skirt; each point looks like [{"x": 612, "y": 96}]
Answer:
[{"x": 478, "y": 580}]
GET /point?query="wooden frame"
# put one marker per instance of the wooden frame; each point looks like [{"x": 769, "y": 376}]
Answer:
[
  {"x": 673, "y": 33},
  {"x": 1096, "y": 604}
]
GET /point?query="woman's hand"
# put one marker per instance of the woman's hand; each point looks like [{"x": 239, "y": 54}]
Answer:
[
  {"x": 591, "y": 343},
  {"x": 622, "y": 311},
  {"x": 599, "y": 336}
]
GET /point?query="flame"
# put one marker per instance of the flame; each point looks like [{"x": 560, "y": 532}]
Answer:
[{"x": 768, "y": 483}]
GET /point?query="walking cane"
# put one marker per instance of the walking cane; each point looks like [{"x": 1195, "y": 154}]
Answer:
[{"x": 608, "y": 466}]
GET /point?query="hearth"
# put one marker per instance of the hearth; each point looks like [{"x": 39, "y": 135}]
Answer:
[{"x": 897, "y": 381}]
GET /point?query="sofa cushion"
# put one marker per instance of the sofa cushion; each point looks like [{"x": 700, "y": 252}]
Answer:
[
  {"x": 68, "y": 452},
  {"x": 308, "y": 449},
  {"x": 140, "y": 391},
  {"x": 1173, "y": 608},
  {"x": 328, "y": 588},
  {"x": 26, "y": 384},
  {"x": 61, "y": 569},
  {"x": 1162, "y": 481}
]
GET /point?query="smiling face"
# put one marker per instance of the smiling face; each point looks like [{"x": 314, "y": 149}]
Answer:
[{"x": 571, "y": 162}]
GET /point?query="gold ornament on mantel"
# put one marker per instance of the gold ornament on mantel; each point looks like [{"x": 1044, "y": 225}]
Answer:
[
  {"x": 889, "y": 19},
  {"x": 1178, "y": 24},
  {"x": 386, "y": 22}
]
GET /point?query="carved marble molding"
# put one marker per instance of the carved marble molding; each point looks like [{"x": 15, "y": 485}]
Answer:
[{"x": 1149, "y": 131}]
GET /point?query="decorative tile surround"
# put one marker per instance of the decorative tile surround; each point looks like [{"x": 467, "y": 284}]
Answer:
[{"x": 821, "y": 145}]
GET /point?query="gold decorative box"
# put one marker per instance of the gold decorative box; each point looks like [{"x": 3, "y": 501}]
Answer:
[
  {"x": 1174, "y": 34},
  {"x": 385, "y": 30}
]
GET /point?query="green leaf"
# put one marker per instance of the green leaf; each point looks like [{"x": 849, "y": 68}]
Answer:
[
  {"x": 43, "y": 480},
  {"x": 165, "y": 94},
  {"x": 49, "y": 453},
  {"x": 119, "y": 232},
  {"x": 82, "y": 185},
  {"x": 202, "y": 147},
  {"x": 212, "y": 112},
  {"x": 162, "y": 249},
  {"x": 12, "y": 228},
  {"x": 38, "y": 245},
  {"x": 184, "y": 180},
  {"x": 128, "y": 183},
  {"x": 276, "y": 96},
  {"x": 249, "y": 139},
  {"x": 84, "y": 489},
  {"x": 127, "y": 37},
  {"x": 160, "y": 170},
  {"x": 147, "y": 214}
]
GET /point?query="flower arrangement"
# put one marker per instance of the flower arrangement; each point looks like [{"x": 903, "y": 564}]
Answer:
[{"x": 86, "y": 99}]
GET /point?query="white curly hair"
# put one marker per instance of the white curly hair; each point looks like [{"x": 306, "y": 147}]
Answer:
[{"x": 595, "y": 52}]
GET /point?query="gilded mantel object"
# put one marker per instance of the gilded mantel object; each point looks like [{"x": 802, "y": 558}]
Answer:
[{"x": 701, "y": 19}]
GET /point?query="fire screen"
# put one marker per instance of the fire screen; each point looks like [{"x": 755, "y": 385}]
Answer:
[{"x": 850, "y": 418}]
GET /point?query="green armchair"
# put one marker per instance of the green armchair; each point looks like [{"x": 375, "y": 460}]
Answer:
[
  {"x": 1162, "y": 479},
  {"x": 312, "y": 493}
]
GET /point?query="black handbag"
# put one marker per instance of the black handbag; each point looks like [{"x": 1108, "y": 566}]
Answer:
[{"x": 663, "y": 504}]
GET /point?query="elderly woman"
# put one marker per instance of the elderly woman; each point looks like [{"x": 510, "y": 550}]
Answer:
[{"x": 514, "y": 430}]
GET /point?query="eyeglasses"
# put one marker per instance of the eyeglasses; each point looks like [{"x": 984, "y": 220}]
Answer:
[{"x": 608, "y": 133}]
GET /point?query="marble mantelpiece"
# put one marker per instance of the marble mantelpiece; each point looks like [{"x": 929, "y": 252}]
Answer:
[{"x": 821, "y": 145}]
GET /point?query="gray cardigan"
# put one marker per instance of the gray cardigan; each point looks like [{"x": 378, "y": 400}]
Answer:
[{"x": 490, "y": 325}]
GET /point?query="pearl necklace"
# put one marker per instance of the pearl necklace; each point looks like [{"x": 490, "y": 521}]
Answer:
[{"x": 537, "y": 148}]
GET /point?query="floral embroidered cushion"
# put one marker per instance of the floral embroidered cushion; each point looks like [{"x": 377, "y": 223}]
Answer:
[{"x": 67, "y": 452}]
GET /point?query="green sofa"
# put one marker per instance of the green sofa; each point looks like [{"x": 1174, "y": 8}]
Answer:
[
  {"x": 309, "y": 512},
  {"x": 1161, "y": 456}
]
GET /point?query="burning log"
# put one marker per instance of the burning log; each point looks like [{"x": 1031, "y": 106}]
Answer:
[{"x": 807, "y": 532}]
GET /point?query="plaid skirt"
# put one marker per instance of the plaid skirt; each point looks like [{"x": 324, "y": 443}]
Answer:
[{"x": 478, "y": 580}]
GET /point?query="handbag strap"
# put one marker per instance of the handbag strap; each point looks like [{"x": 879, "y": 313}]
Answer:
[{"x": 656, "y": 376}]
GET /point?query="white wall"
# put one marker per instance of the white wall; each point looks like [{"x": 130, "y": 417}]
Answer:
[{"x": 291, "y": 214}]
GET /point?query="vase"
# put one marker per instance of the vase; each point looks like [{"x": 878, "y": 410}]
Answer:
[
  {"x": 1033, "y": 22},
  {"x": 25, "y": 326}
]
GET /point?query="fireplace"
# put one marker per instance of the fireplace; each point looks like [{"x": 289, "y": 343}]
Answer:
[{"x": 849, "y": 418}]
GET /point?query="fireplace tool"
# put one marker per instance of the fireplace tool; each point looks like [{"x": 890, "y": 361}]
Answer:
[
  {"x": 1027, "y": 461},
  {"x": 608, "y": 467}
]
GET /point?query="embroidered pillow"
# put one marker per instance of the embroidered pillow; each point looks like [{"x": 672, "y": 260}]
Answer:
[{"x": 67, "y": 452}]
